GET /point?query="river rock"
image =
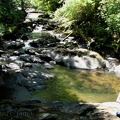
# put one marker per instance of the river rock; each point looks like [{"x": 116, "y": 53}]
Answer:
[
  {"x": 13, "y": 45},
  {"x": 117, "y": 70},
  {"x": 113, "y": 65},
  {"x": 47, "y": 65},
  {"x": 1, "y": 52},
  {"x": 31, "y": 58},
  {"x": 40, "y": 81},
  {"x": 24, "y": 37},
  {"x": 35, "y": 59},
  {"x": 29, "y": 83},
  {"x": 77, "y": 58},
  {"x": 18, "y": 52},
  {"x": 13, "y": 67},
  {"x": 31, "y": 74},
  {"x": 48, "y": 116},
  {"x": 28, "y": 65},
  {"x": 39, "y": 87},
  {"x": 34, "y": 84},
  {"x": 84, "y": 111},
  {"x": 20, "y": 63},
  {"x": 45, "y": 40},
  {"x": 25, "y": 58}
]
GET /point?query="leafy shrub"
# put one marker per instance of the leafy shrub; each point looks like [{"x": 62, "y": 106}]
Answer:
[
  {"x": 92, "y": 19},
  {"x": 47, "y": 5},
  {"x": 74, "y": 14},
  {"x": 10, "y": 16},
  {"x": 110, "y": 12}
]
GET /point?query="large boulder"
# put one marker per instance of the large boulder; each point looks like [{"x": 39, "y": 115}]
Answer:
[
  {"x": 117, "y": 70},
  {"x": 45, "y": 40},
  {"x": 13, "y": 44},
  {"x": 13, "y": 67},
  {"x": 9, "y": 67},
  {"x": 113, "y": 65},
  {"x": 76, "y": 58}
]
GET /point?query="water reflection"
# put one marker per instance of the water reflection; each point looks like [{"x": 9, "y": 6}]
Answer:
[{"x": 87, "y": 86}]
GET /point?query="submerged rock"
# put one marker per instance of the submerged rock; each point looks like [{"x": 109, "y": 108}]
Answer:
[{"x": 39, "y": 87}]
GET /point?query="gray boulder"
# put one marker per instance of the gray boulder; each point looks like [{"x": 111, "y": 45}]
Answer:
[
  {"x": 117, "y": 70},
  {"x": 13, "y": 67},
  {"x": 77, "y": 58}
]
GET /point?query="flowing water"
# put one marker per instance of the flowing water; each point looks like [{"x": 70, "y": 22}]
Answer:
[
  {"x": 77, "y": 85},
  {"x": 81, "y": 85}
]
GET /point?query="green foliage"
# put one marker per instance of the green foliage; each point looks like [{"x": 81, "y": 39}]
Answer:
[
  {"x": 74, "y": 11},
  {"x": 10, "y": 16},
  {"x": 92, "y": 19},
  {"x": 2, "y": 29},
  {"x": 24, "y": 3},
  {"x": 47, "y": 5},
  {"x": 110, "y": 12}
]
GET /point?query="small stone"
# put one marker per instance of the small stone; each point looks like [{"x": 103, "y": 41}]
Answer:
[
  {"x": 13, "y": 67},
  {"x": 48, "y": 116},
  {"x": 39, "y": 87}
]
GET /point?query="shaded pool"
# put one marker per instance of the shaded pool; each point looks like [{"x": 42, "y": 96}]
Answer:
[{"x": 85, "y": 86}]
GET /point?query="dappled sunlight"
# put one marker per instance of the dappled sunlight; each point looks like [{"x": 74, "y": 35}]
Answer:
[
  {"x": 104, "y": 79},
  {"x": 33, "y": 16},
  {"x": 92, "y": 97},
  {"x": 85, "y": 86}
]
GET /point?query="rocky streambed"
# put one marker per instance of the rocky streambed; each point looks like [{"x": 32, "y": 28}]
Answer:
[{"x": 25, "y": 65}]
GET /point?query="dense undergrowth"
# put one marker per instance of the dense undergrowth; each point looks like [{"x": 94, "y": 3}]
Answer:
[{"x": 94, "y": 21}]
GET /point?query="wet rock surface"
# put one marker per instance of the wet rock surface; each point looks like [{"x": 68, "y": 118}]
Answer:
[
  {"x": 24, "y": 70},
  {"x": 35, "y": 110}
]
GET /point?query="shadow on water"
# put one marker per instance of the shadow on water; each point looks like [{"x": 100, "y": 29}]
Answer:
[
  {"x": 85, "y": 86},
  {"x": 6, "y": 92}
]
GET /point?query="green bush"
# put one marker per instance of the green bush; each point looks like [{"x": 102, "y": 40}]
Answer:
[
  {"x": 74, "y": 11},
  {"x": 76, "y": 15},
  {"x": 110, "y": 12},
  {"x": 47, "y": 5},
  {"x": 97, "y": 20},
  {"x": 10, "y": 16}
]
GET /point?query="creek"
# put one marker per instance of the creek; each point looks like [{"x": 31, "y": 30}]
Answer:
[
  {"x": 75, "y": 85},
  {"x": 68, "y": 85},
  {"x": 86, "y": 86}
]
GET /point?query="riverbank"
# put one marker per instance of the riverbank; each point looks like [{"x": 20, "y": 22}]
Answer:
[
  {"x": 25, "y": 67},
  {"x": 33, "y": 110}
]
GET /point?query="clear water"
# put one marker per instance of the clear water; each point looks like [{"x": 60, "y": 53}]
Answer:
[{"x": 86, "y": 86}]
